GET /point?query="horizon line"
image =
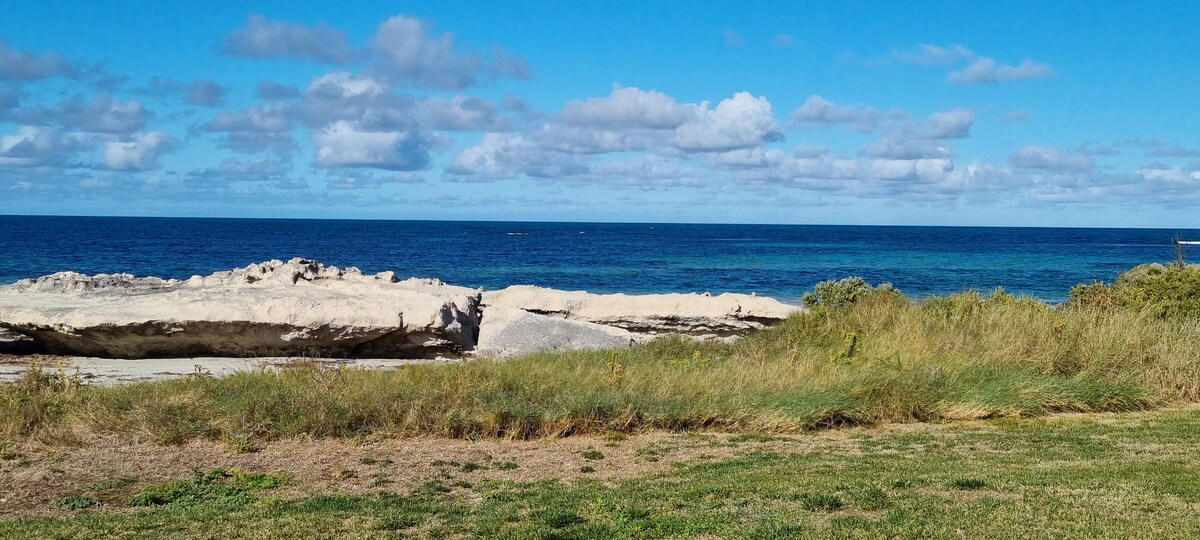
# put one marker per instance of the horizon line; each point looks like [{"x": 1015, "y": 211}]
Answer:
[{"x": 592, "y": 222}]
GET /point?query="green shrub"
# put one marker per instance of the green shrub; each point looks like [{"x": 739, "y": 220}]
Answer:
[
  {"x": 1168, "y": 291},
  {"x": 1095, "y": 295},
  {"x": 1164, "y": 291},
  {"x": 843, "y": 292}
]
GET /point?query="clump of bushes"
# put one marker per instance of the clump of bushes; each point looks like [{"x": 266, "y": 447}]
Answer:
[
  {"x": 1165, "y": 291},
  {"x": 843, "y": 292}
]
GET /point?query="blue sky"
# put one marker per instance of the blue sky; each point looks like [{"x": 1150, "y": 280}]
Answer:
[{"x": 982, "y": 113}]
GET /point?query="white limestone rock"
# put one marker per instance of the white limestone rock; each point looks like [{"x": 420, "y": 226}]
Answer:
[
  {"x": 722, "y": 315},
  {"x": 507, "y": 332},
  {"x": 274, "y": 308}
]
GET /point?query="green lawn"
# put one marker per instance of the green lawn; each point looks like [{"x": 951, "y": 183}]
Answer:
[{"x": 1132, "y": 475}]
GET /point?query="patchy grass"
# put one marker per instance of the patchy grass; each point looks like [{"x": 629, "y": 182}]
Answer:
[{"x": 1080, "y": 476}]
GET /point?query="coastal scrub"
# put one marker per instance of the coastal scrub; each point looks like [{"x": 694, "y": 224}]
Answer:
[{"x": 882, "y": 358}]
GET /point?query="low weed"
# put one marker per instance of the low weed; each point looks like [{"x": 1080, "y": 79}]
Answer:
[
  {"x": 217, "y": 485},
  {"x": 75, "y": 502}
]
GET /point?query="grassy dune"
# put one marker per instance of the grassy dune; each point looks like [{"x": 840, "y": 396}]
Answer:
[{"x": 881, "y": 359}]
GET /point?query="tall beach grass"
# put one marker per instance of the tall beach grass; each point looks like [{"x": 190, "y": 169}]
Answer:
[{"x": 883, "y": 358}]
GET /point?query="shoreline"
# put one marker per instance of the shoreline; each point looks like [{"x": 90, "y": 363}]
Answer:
[{"x": 113, "y": 371}]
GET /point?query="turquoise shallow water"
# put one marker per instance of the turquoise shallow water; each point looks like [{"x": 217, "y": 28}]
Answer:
[{"x": 781, "y": 261}]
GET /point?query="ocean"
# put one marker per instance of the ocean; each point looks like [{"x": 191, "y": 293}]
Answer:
[{"x": 782, "y": 261}]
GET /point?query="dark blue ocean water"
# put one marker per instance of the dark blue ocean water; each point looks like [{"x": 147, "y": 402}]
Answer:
[{"x": 775, "y": 260}]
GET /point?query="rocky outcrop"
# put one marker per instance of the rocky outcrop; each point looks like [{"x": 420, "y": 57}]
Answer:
[
  {"x": 275, "y": 308},
  {"x": 508, "y": 332},
  {"x": 693, "y": 314},
  {"x": 304, "y": 308}
]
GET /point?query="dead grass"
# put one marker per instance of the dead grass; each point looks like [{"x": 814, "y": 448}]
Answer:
[{"x": 319, "y": 466}]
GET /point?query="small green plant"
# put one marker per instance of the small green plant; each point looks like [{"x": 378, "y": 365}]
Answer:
[
  {"x": 35, "y": 381},
  {"x": 255, "y": 481},
  {"x": 872, "y": 499},
  {"x": 593, "y": 455},
  {"x": 556, "y": 518},
  {"x": 219, "y": 485},
  {"x": 396, "y": 522},
  {"x": 75, "y": 502},
  {"x": 968, "y": 483},
  {"x": 820, "y": 502}
]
